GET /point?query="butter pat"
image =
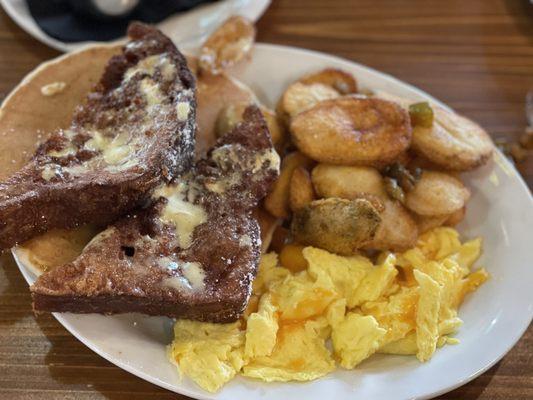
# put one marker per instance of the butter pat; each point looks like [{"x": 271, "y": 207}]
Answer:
[
  {"x": 67, "y": 151},
  {"x": 151, "y": 92},
  {"x": 48, "y": 172},
  {"x": 192, "y": 277},
  {"x": 53, "y": 88},
  {"x": 269, "y": 156},
  {"x": 182, "y": 109},
  {"x": 182, "y": 214},
  {"x": 115, "y": 150}
]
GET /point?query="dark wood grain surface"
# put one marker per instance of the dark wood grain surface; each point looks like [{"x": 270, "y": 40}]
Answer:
[{"x": 475, "y": 55}]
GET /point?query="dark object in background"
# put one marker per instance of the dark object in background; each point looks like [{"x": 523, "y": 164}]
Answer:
[{"x": 82, "y": 20}]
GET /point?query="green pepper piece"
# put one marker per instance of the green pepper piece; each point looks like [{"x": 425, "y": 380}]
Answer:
[{"x": 421, "y": 114}]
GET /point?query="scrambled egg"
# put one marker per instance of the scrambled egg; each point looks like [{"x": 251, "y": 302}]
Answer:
[{"x": 340, "y": 310}]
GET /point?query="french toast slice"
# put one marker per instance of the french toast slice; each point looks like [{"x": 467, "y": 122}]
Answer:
[
  {"x": 192, "y": 254},
  {"x": 134, "y": 131}
]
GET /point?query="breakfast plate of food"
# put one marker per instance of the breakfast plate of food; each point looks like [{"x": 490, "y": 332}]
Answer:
[{"x": 259, "y": 221}]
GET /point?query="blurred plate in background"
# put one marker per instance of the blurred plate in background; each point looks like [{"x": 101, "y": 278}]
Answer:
[{"x": 187, "y": 29}]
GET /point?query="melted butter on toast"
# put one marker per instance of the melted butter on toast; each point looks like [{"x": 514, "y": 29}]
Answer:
[{"x": 184, "y": 215}]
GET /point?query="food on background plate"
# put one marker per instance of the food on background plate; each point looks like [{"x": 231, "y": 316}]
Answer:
[
  {"x": 357, "y": 253},
  {"x": 134, "y": 131},
  {"x": 192, "y": 254},
  {"x": 229, "y": 44}
]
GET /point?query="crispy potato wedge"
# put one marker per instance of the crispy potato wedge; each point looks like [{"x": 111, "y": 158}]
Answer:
[
  {"x": 280, "y": 238},
  {"x": 427, "y": 223},
  {"x": 231, "y": 115},
  {"x": 292, "y": 258},
  {"x": 337, "y": 225},
  {"x": 397, "y": 231},
  {"x": 437, "y": 193},
  {"x": 342, "y": 81},
  {"x": 267, "y": 226},
  {"x": 301, "y": 191},
  {"x": 347, "y": 182},
  {"x": 352, "y": 131},
  {"x": 299, "y": 97},
  {"x": 277, "y": 201},
  {"x": 228, "y": 44},
  {"x": 453, "y": 142},
  {"x": 456, "y": 217}
]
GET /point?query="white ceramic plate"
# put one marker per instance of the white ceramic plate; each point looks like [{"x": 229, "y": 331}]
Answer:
[
  {"x": 501, "y": 210},
  {"x": 188, "y": 29}
]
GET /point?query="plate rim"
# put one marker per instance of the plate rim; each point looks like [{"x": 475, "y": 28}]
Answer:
[{"x": 201, "y": 394}]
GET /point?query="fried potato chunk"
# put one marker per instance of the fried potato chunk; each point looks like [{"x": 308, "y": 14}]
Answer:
[
  {"x": 300, "y": 97},
  {"x": 347, "y": 182},
  {"x": 453, "y": 142},
  {"x": 229, "y": 44},
  {"x": 342, "y": 81},
  {"x": 352, "y": 131},
  {"x": 338, "y": 225},
  {"x": 267, "y": 225},
  {"x": 231, "y": 115},
  {"x": 277, "y": 201},
  {"x": 292, "y": 258},
  {"x": 397, "y": 231},
  {"x": 427, "y": 223},
  {"x": 301, "y": 191},
  {"x": 437, "y": 193},
  {"x": 456, "y": 217}
]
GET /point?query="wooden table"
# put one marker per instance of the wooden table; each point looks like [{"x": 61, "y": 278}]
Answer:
[{"x": 475, "y": 55}]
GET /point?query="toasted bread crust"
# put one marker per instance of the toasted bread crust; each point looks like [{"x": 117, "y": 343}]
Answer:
[
  {"x": 69, "y": 182},
  {"x": 127, "y": 268}
]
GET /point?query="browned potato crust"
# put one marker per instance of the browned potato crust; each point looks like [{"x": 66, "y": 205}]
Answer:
[
  {"x": 292, "y": 258},
  {"x": 437, "y": 193},
  {"x": 456, "y": 217},
  {"x": 347, "y": 182},
  {"x": 352, "y": 131},
  {"x": 267, "y": 225},
  {"x": 229, "y": 44},
  {"x": 277, "y": 201},
  {"x": 299, "y": 97},
  {"x": 453, "y": 142},
  {"x": 338, "y": 225},
  {"x": 397, "y": 230},
  {"x": 301, "y": 191},
  {"x": 342, "y": 81},
  {"x": 280, "y": 238},
  {"x": 426, "y": 223}
]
